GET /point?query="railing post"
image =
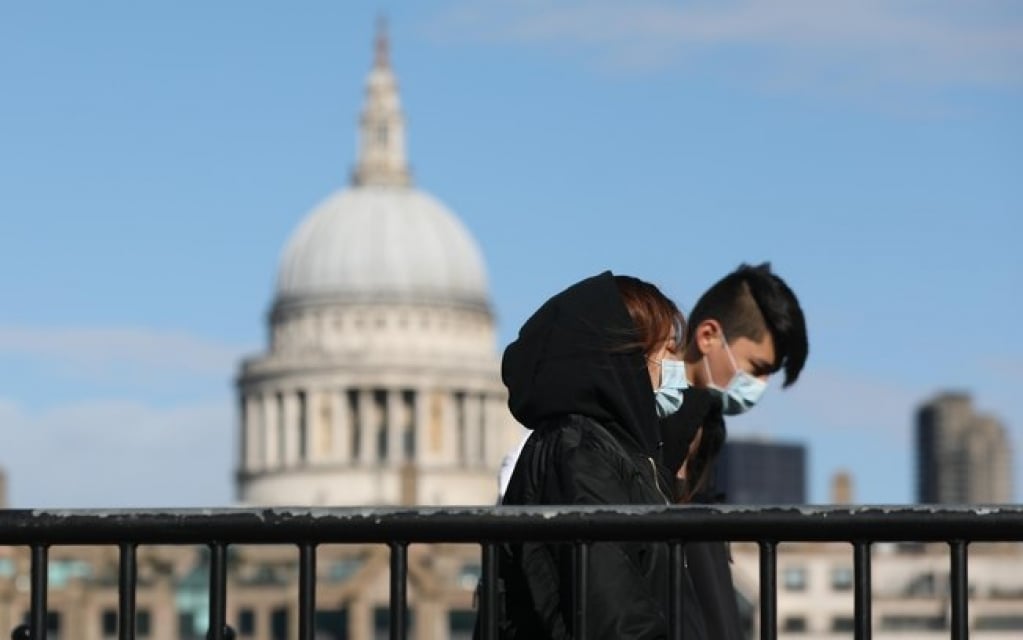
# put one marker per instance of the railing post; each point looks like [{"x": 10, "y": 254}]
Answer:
[
  {"x": 581, "y": 551},
  {"x": 307, "y": 591},
  {"x": 218, "y": 592},
  {"x": 488, "y": 606},
  {"x": 768, "y": 590},
  {"x": 862, "y": 598},
  {"x": 960, "y": 590},
  {"x": 37, "y": 615},
  {"x": 399, "y": 589},
  {"x": 126, "y": 584}
]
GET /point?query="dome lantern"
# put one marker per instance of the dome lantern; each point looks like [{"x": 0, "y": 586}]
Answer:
[{"x": 382, "y": 125}]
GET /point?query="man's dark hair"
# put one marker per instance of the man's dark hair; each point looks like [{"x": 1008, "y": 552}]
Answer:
[{"x": 749, "y": 301}]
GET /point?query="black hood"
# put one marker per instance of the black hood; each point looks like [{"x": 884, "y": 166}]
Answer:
[{"x": 571, "y": 357}]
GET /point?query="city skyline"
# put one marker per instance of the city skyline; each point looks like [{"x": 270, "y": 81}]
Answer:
[{"x": 149, "y": 187}]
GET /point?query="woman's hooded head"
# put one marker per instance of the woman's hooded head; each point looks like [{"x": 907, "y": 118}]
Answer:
[{"x": 581, "y": 353}]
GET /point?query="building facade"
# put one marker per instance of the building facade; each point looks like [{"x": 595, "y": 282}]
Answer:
[
  {"x": 761, "y": 472},
  {"x": 962, "y": 457},
  {"x": 381, "y": 382},
  {"x": 910, "y": 590}
]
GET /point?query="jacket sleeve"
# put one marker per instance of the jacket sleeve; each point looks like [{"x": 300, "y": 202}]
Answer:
[{"x": 620, "y": 604}]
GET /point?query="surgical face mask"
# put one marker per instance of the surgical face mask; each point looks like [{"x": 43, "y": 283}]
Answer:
[
  {"x": 743, "y": 390},
  {"x": 673, "y": 380}
]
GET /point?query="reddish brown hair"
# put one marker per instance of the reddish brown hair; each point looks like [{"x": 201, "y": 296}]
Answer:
[{"x": 653, "y": 313}]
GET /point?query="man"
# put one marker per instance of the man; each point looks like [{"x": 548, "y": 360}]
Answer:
[{"x": 745, "y": 328}]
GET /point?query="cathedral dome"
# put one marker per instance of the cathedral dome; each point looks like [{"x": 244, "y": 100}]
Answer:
[
  {"x": 382, "y": 240},
  {"x": 382, "y": 243},
  {"x": 381, "y": 384}
]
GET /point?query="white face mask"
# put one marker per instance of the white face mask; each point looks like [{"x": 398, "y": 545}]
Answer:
[
  {"x": 673, "y": 381},
  {"x": 743, "y": 390}
]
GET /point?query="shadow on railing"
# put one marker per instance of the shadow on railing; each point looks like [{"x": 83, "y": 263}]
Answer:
[{"x": 306, "y": 528}]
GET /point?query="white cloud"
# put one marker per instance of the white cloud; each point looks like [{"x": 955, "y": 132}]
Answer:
[
  {"x": 118, "y": 352},
  {"x": 839, "y": 44},
  {"x": 117, "y": 454}
]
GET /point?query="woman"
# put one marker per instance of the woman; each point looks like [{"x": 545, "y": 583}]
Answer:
[{"x": 591, "y": 373}]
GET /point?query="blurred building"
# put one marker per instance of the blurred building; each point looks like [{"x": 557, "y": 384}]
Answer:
[
  {"x": 910, "y": 587},
  {"x": 962, "y": 457},
  {"x": 381, "y": 383},
  {"x": 380, "y": 386},
  {"x": 842, "y": 488},
  {"x": 761, "y": 472}
]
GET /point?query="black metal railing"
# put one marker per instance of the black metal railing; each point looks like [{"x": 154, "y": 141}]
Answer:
[{"x": 306, "y": 528}]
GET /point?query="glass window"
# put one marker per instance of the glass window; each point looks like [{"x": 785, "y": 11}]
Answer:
[
  {"x": 843, "y": 623},
  {"x": 186, "y": 626},
  {"x": 1006, "y": 622},
  {"x": 912, "y": 623},
  {"x": 382, "y": 623},
  {"x": 143, "y": 623},
  {"x": 279, "y": 624},
  {"x": 794, "y": 624},
  {"x": 794, "y": 578},
  {"x": 461, "y": 623},
  {"x": 53, "y": 622},
  {"x": 108, "y": 622},
  {"x": 332, "y": 624},
  {"x": 842, "y": 578},
  {"x": 469, "y": 575},
  {"x": 246, "y": 622},
  {"x": 344, "y": 568},
  {"x": 303, "y": 427}
]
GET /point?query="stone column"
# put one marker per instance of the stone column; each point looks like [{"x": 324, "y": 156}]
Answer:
[
  {"x": 394, "y": 424},
  {"x": 472, "y": 429},
  {"x": 490, "y": 429},
  {"x": 290, "y": 428},
  {"x": 452, "y": 436},
  {"x": 360, "y": 624},
  {"x": 430, "y": 620},
  {"x": 253, "y": 431},
  {"x": 342, "y": 427},
  {"x": 367, "y": 427},
  {"x": 320, "y": 415},
  {"x": 420, "y": 423},
  {"x": 271, "y": 454}
]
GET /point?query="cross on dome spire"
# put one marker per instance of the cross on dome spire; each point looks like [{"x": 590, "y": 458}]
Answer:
[
  {"x": 382, "y": 125},
  {"x": 382, "y": 46}
]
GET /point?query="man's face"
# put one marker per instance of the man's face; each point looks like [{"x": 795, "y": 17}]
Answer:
[{"x": 753, "y": 357}]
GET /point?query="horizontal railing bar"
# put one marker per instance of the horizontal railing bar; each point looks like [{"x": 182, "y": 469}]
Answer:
[{"x": 485, "y": 524}]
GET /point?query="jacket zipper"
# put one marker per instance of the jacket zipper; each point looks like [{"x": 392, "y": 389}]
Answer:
[{"x": 657, "y": 483}]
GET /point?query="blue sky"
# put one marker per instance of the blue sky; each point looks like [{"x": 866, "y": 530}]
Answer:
[{"x": 154, "y": 159}]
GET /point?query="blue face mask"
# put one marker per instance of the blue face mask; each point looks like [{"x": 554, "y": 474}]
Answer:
[
  {"x": 743, "y": 390},
  {"x": 673, "y": 381}
]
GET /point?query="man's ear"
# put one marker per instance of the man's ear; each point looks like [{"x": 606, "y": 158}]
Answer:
[{"x": 707, "y": 332}]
